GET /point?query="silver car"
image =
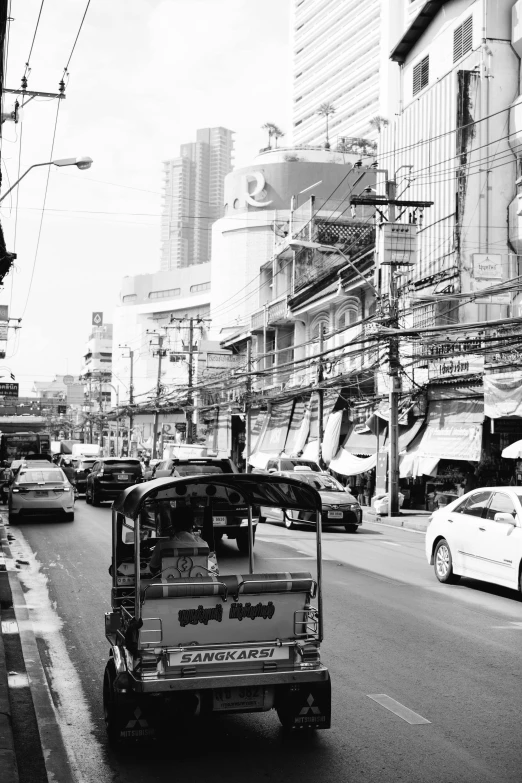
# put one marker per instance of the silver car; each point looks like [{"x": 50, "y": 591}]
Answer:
[{"x": 42, "y": 491}]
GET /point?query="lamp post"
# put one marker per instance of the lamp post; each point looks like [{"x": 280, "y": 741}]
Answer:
[
  {"x": 332, "y": 249},
  {"x": 81, "y": 163}
]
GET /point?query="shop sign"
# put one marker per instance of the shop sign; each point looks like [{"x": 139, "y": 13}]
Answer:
[
  {"x": 456, "y": 366},
  {"x": 461, "y": 442},
  {"x": 487, "y": 266},
  {"x": 3, "y": 331},
  {"x": 8, "y": 390},
  {"x": 222, "y": 361},
  {"x": 451, "y": 345}
]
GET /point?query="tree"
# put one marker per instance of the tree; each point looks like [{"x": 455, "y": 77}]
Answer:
[
  {"x": 325, "y": 109},
  {"x": 270, "y": 128},
  {"x": 378, "y": 122},
  {"x": 277, "y": 133}
]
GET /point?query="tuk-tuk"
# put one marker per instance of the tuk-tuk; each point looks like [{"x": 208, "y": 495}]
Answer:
[{"x": 187, "y": 640}]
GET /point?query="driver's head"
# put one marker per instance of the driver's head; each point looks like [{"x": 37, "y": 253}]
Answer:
[{"x": 181, "y": 518}]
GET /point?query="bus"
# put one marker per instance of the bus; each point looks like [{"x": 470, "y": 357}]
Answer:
[{"x": 17, "y": 445}]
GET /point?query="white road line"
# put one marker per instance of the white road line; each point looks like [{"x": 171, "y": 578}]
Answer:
[
  {"x": 398, "y": 709},
  {"x": 513, "y": 626},
  {"x": 390, "y": 543},
  {"x": 9, "y": 627},
  {"x": 307, "y": 557}
]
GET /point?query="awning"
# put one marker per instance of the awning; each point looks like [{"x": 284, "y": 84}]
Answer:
[
  {"x": 453, "y": 431},
  {"x": 299, "y": 428},
  {"x": 332, "y": 433},
  {"x": 274, "y": 438},
  {"x": 349, "y": 465},
  {"x": 364, "y": 443},
  {"x": 311, "y": 451}
]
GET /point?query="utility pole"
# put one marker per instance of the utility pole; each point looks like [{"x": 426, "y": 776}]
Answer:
[
  {"x": 320, "y": 397},
  {"x": 131, "y": 392},
  {"x": 248, "y": 423},
  {"x": 395, "y": 381},
  {"x": 90, "y": 409},
  {"x": 190, "y": 398},
  {"x": 158, "y": 394}
]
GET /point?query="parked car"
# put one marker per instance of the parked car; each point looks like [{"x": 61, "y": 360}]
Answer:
[
  {"x": 111, "y": 475},
  {"x": 228, "y": 519},
  {"x": 40, "y": 491},
  {"x": 339, "y": 507},
  {"x": 478, "y": 535},
  {"x": 192, "y": 466},
  {"x": 288, "y": 463},
  {"x": 82, "y": 466}
]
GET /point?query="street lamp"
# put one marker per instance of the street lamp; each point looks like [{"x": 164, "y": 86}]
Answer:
[
  {"x": 81, "y": 163},
  {"x": 331, "y": 249},
  {"x": 117, "y": 418}
]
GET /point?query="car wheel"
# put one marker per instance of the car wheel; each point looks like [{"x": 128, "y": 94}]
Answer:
[
  {"x": 289, "y": 523},
  {"x": 95, "y": 500},
  {"x": 112, "y": 710},
  {"x": 87, "y": 496},
  {"x": 443, "y": 563},
  {"x": 69, "y": 517},
  {"x": 242, "y": 540},
  {"x": 351, "y": 528}
]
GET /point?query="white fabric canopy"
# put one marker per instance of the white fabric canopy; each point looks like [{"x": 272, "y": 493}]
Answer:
[
  {"x": 311, "y": 451},
  {"x": 302, "y": 435},
  {"x": 259, "y": 459},
  {"x": 513, "y": 451},
  {"x": 349, "y": 465},
  {"x": 332, "y": 433},
  {"x": 416, "y": 465}
]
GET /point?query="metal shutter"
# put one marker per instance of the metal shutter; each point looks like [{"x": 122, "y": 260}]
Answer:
[
  {"x": 463, "y": 39},
  {"x": 421, "y": 75}
]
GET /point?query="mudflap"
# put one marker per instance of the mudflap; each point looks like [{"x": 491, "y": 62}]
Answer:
[
  {"x": 136, "y": 721},
  {"x": 305, "y": 706}
]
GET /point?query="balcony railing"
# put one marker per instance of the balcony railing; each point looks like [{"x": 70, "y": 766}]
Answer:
[{"x": 275, "y": 312}]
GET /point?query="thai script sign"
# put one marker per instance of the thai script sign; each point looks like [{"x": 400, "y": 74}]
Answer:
[
  {"x": 227, "y": 656},
  {"x": 487, "y": 266},
  {"x": 240, "y": 611},
  {"x": 449, "y": 367}
]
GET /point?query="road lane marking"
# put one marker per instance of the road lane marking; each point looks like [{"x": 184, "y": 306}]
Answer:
[
  {"x": 307, "y": 557},
  {"x": 9, "y": 627},
  {"x": 390, "y": 543},
  {"x": 513, "y": 626},
  {"x": 16, "y": 680},
  {"x": 398, "y": 709}
]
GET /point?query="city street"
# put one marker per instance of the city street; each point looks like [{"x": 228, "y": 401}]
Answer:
[{"x": 448, "y": 657}]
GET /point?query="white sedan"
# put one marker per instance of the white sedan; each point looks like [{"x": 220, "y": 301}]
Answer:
[{"x": 479, "y": 535}]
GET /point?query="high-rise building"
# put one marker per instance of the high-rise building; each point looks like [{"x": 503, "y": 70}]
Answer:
[
  {"x": 193, "y": 197},
  {"x": 340, "y": 57}
]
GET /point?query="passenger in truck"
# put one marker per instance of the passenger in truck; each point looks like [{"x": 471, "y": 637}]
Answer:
[{"x": 178, "y": 527}]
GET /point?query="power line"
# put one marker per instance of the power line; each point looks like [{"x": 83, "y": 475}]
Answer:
[
  {"x": 28, "y": 61},
  {"x": 43, "y": 210},
  {"x": 65, "y": 70}
]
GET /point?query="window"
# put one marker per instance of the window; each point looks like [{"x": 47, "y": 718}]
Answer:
[
  {"x": 199, "y": 287},
  {"x": 477, "y": 503},
  {"x": 347, "y": 318},
  {"x": 128, "y": 298},
  {"x": 500, "y": 504},
  {"x": 463, "y": 39},
  {"x": 421, "y": 75},
  {"x": 166, "y": 294}
]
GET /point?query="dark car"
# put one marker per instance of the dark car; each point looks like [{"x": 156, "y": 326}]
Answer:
[
  {"x": 228, "y": 519},
  {"x": 82, "y": 466},
  {"x": 339, "y": 508},
  {"x": 6, "y": 477},
  {"x": 109, "y": 476}
]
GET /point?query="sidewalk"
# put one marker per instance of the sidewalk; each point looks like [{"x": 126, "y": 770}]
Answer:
[
  {"x": 410, "y": 519},
  {"x": 8, "y": 766}
]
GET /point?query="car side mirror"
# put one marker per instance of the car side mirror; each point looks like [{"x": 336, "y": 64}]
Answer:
[
  {"x": 500, "y": 516},
  {"x": 272, "y": 470}
]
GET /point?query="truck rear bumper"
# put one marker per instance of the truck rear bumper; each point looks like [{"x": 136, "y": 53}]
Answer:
[{"x": 167, "y": 684}]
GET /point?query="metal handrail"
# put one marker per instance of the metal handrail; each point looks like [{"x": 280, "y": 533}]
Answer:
[{"x": 174, "y": 582}]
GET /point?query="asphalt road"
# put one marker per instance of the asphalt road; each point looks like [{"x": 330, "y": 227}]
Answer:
[{"x": 450, "y": 654}]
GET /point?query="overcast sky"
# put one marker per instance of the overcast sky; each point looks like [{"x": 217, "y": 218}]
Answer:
[{"x": 144, "y": 76}]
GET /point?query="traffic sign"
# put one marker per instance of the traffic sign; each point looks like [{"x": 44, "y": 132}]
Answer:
[
  {"x": 97, "y": 319},
  {"x": 67, "y": 379}
]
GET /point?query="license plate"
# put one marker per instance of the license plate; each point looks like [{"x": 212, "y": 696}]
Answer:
[
  {"x": 122, "y": 476},
  {"x": 335, "y": 515},
  {"x": 41, "y": 493},
  {"x": 246, "y": 698},
  {"x": 219, "y": 520}
]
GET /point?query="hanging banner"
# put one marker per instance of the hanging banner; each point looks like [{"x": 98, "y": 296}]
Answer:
[{"x": 503, "y": 395}]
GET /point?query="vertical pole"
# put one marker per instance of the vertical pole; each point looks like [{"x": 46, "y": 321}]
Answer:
[
  {"x": 117, "y": 423},
  {"x": 393, "y": 475},
  {"x": 158, "y": 393},
  {"x": 190, "y": 398},
  {"x": 319, "y": 541},
  {"x": 250, "y": 541},
  {"x": 90, "y": 409},
  {"x": 320, "y": 397},
  {"x": 248, "y": 423},
  {"x": 131, "y": 392}
]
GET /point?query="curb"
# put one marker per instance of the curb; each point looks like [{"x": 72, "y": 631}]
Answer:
[
  {"x": 8, "y": 765},
  {"x": 419, "y": 524}
]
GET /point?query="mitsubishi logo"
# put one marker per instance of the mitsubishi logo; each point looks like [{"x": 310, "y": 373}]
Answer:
[
  {"x": 137, "y": 721},
  {"x": 310, "y": 708}
]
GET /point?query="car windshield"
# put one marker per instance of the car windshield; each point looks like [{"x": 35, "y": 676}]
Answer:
[
  {"x": 42, "y": 477},
  {"x": 319, "y": 481},
  {"x": 196, "y": 470}
]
